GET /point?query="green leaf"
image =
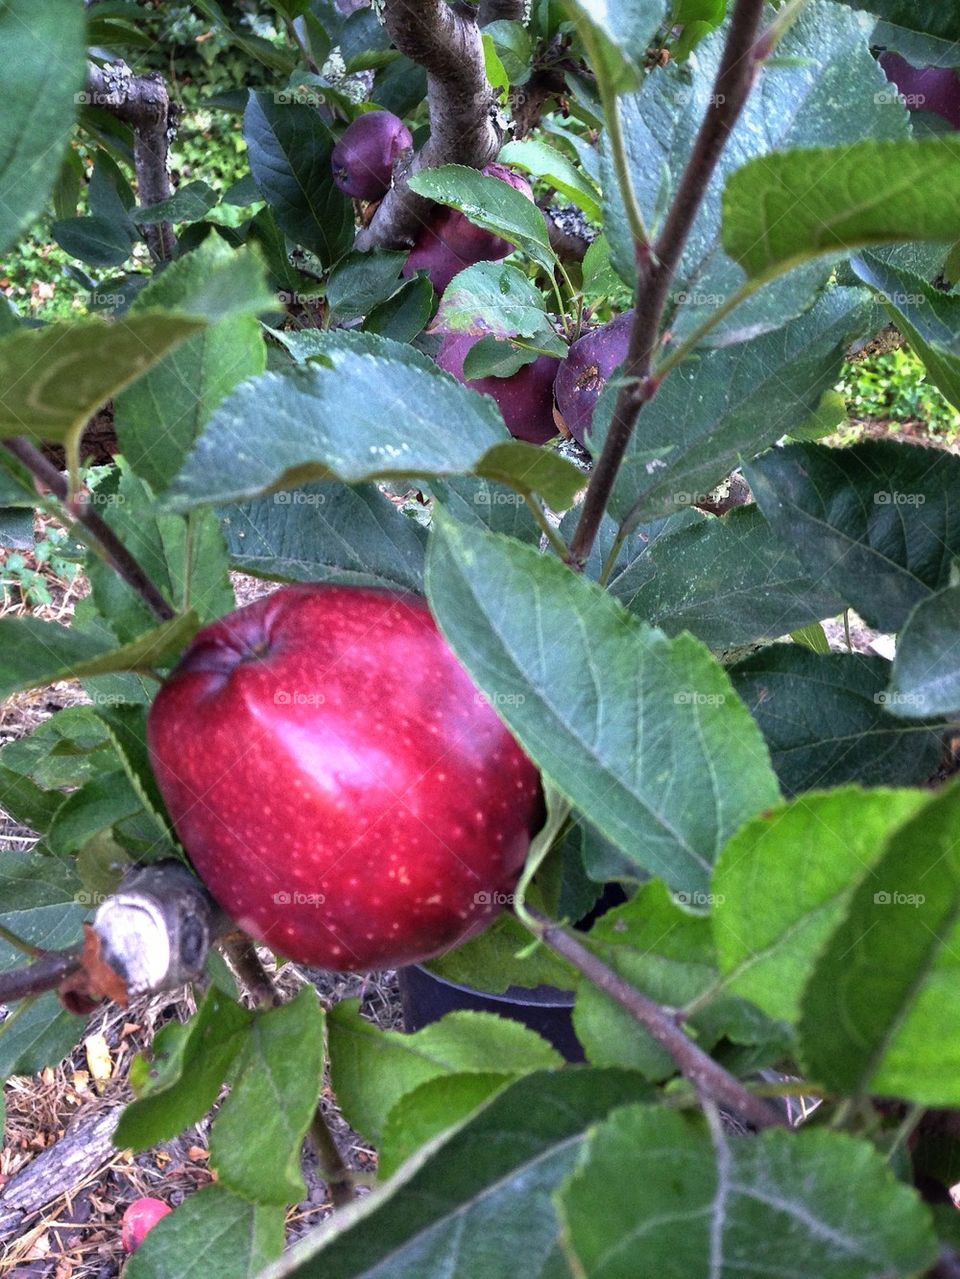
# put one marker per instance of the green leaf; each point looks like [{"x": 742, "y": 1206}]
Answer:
[
  {"x": 495, "y": 298},
  {"x": 36, "y": 653},
  {"x": 925, "y": 31},
  {"x": 727, "y": 405},
  {"x": 514, "y": 45},
  {"x": 728, "y": 581},
  {"x": 788, "y": 207},
  {"x": 404, "y": 315},
  {"x": 479, "y": 1200},
  {"x": 821, "y": 88},
  {"x": 40, "y": 903},
  {"x": 327, "y": 532},
  {"x": 528, "y": 468},
  {"x": 127, "y": 728},
  {"x": 211, "y": 1233},
  {"x": 93, "y": 808},
  {"x": 181, "y": 1078},
  {"x": 879, "y": 1011},
  {"x": 97, "y": 241},
  {"x": 44, "y": 58},
  {"x": 372, "y": 1068},
  {"x": 191, "y": 203},
  {"x": 663, "y": 950},
  {"x": 327, "y": 420},
  {"x": 500, "y": 957},
  {"x": 55, "y": 378},
  {"x": 742, "y": 1199},
  {"x": 289, "y": 148},
  {"x": 161, "y": 415},
  {"x": 489, "y": 203},
  {"x": 617, "y": 36},
  {"x": 255, "y": 1147},
  {"x": 784, "y": 882},
  {"x": 27, "y": 803},
  {"x": 829, "y": 722},
  {"x": 487, "y": 505},
  {"x": 552, "y": 166},
  {"x": 642, "y": 734},
  {"x": 360, "y": 281},
  {"x": 926, "y": 670},
  {"x": 489, "y": 357},
  {"x": 430, "y": 1109},
  {"x": 927, "y": 317},
  {"x": 877, "y": 523}
]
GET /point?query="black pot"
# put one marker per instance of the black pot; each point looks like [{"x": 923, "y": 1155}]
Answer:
[
  {"x": 549, "y": 1011},
  {"x": 426, "y": 998}
]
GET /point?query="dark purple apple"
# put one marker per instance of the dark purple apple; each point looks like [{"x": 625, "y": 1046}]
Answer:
[
  {"x": 342, "y": 788},
  {"x": 935, "y": 89},
  {"x": 586, "y": 370},
  {"x": 450, "y": 242},
  {"x": 364, "y": 157},
  {"x": 525, "y": 398}
]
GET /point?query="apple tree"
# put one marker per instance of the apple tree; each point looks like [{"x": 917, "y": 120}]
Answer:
[{"x": 507, "y": 364}]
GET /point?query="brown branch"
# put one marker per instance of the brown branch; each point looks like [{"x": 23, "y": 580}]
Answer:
[
  {"x": 245, "y": 962},
  {"x": 446, "y": 43},
  {"x": 707, "y": 1076},
  {"x": 45, "y": 973},
  {"x": 143, "y": 103},
  {"x": 656, "y": 265},
  {"x": 99, "y": 532}
]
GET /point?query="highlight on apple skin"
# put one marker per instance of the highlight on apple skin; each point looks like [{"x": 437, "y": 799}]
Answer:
[
  {"x": 587, "y": 369},
  {"x": 342, "y": 788},
  {"x": 364, "y": 157},
  {"x": 525, "y": 398}
]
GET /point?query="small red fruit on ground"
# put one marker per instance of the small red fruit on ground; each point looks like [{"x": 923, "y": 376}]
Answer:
[{"x": 139, "y": 1219}]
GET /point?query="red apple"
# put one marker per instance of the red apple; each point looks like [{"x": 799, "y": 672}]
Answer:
[
  {"x": 364, "y": 156},
  {"x": 525, "y": 398},
  {"x": 586, "y": 371},
  {"x": 342, "y": 788},
  {"x": 139, "y": 1219}
]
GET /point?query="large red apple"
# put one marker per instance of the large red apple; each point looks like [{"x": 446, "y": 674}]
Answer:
[{"x": 341, "y": 786}]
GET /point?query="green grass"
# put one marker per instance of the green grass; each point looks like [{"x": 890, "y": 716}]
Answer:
[{"x": 894, "y": 387}]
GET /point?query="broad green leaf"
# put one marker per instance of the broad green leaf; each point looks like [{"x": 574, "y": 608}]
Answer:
[
  {"x": 728, "y": 581},
  {"x": 820, "y": 89},
  {"x": 662, "y": 949},
  {"x": 256, "y": 1147},
  {"x": 27, "y": 803},
  {"x": 492, "y": 297},
  {"x": 829, "y": 721},
  {"x": 790, "y": 206},
  {"x": 490, "y": 357},
  {"x": 489, "y": 203},
  {"x": 289, "y": 148},
  {"x": 36, "y": 653},
  {"x": 97, "y": 241},
  {"x": 372, "y": 1068},
  {"x": 160, "y": 416},
  {"x": 181, "y": 1077},
  {"x": 925, "y": 31},
  {"x": 62, "y": 751},
  {"x": 213, "y": 1232},
  {"x": 191, "y": 203},
  {"x": 728, "y": 405},
  {"x": 487, "y": 505},
  {"x": 430, "y": 1109},
  {"x": 55, "y": 378},
  {"x": 552, "y": 166},
  {"x": 528, "y": 468},
  {"x": 642, "y": 734},
  {"x": 328, "y": 418},
  {"x": 783, "y": 883},
  {"x": 405, "y": 315},
  {"x": 478, "y": 1201},
  {"x": 127, "y": 728},
  {"x": 93, "y": 808},
  {"x": 926, "y": 671},
  {"x": 878, "y": 523},
  {"x": 327, "y": 532},
  {"x": 360, "y": 281},
  {"x": 36, "y": 1035},
  {"x": 927, "y": 317},
  {"x": 501, "y": 957},
  {"x": 514, "y": 45},
  {"x": 737, "y": 1204},
  {"x": 617, "y": 35},
  {"x": 881, "y": 1010},
  {"x": 44, "y": 68},
  {"x": 39, "y": 903}
]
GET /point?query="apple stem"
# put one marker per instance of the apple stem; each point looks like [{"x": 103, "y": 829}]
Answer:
[
  {"x": 657, "y": 264},
  {"x": 246, "y": 964},
  {"x": 45, "y": 973},
  {"x": 95, "y": 531},
  {"x": 335, "y": 1172},
  {"x": 710, "y": 1080}
]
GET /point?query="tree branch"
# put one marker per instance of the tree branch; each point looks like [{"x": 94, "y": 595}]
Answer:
[
  {"x": 143, "y": 103},
  {"x": 709, "y": 1079},
  {"x": 98, "y": 531},
  {"x": 447, "y": 44},
  {"x": 656, "y": 265},
  {"x": 45, "y": 973}
]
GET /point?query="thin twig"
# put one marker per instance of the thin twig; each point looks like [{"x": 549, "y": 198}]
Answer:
[
  {"x": 656, "y": 266},
  {"x": 707, "y": 1076},
  {"x": 546, "y": 528},
  {"x": 99, "y": 534},
  {"x": 255, "y": 979},
  {"x": 46, "y": 973},
  {"x": 335, "y": 1172}
]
